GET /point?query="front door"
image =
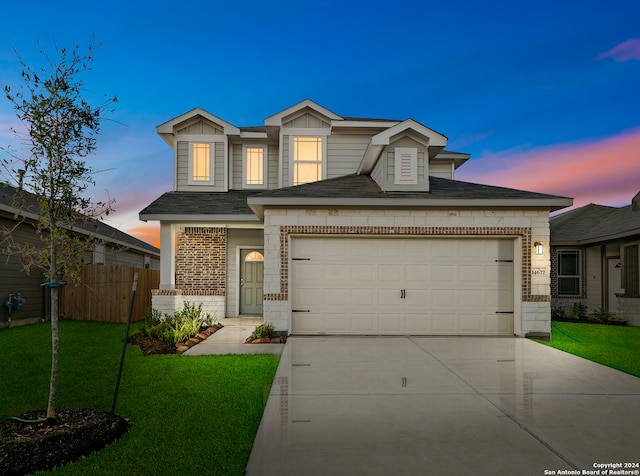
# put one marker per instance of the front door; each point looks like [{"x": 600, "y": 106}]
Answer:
[{"x": 251, "y": 282}]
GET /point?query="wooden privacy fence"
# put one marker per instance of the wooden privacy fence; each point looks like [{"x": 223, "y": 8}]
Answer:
[{"x": 104, "y": 294}]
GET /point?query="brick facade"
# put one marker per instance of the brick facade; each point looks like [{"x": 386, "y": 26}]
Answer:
[{"x": 201, "y": 255}]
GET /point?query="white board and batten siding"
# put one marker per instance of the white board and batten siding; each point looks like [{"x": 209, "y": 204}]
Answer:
[{"x": 402, "y": 286}]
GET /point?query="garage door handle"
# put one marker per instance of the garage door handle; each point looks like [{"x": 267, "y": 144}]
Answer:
[
  {"x": 300, "y": 310},
  {"x": 403, "y": 293}
]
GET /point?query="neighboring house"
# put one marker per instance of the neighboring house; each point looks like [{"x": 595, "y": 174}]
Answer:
[
  {"x": 113, "y": 247},
  {"x": 595, "y": 259},
  {"x": 326, "y": 224}
]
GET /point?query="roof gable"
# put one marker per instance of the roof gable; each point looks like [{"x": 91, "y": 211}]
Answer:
[
  {"x": 278, "y": 119},
  {"x": 413, "y": 129},
  {"x": 169, "y": 128}
]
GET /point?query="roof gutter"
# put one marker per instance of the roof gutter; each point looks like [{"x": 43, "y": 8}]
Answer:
[{"x": 258, "y": 204}]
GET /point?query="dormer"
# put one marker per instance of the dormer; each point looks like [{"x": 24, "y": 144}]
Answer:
[
  {"x": 399, "y": 158},
  {"x": 302, "y": 132},
  {"x": 200, "y": 143}
]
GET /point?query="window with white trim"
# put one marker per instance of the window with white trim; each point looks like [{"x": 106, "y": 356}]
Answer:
[
  {"x": 307, "y": 159},
  {"x": 254, "y": 166},
  {"x": 406, "y": 166},
  {"x": 569, "y": 272},
  {"x": 200, "y": 163}
]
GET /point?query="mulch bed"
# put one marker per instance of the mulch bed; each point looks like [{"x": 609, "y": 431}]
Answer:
[{"x": 77, "y": 432}]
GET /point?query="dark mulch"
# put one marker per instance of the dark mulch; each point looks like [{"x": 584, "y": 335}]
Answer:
[
  {"x": 28, "y": 447},
  {"x": 150, "y": 346}
]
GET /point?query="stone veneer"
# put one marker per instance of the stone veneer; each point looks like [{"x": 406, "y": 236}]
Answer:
[{"x": 528, "y": 225}]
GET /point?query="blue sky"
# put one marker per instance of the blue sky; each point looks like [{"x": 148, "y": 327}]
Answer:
[{"x": 543, "y": 95}]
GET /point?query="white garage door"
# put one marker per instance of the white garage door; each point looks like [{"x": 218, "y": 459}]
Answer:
[{"x": 402, "y": 286}]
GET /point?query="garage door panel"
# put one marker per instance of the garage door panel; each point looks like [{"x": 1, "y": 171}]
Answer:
[
  {"x": 443, "y": 273},
  {"x": 422, "y": 286},
  {"x": 362, "y": 273},
  {"x": 471, "y": 274},
  {"x": 416, "y": 273},
  {"x": 363, "y": 323},
  {"x": 363, "y": 298},
  {"x": 443, "y": 298}
]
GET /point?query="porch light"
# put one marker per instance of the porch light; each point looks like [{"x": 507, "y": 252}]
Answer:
[{"x": 539, "y": 248}]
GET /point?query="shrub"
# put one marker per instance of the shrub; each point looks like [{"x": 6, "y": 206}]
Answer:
[
  {"x": 558, "y": 314},
  {"x": 263, "y": 330},
  {"x": 602, "y": 316},
  {"x": 177, "y": 328},
  {"x": 579, "y": 311}
]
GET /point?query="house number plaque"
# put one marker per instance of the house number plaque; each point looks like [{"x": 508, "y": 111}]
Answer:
[{"x": 538, "y": 272}]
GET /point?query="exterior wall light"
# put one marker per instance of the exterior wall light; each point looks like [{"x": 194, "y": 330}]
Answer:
[{"x": 539, "y": 248}]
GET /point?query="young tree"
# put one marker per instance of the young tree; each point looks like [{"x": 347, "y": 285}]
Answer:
[{"x": 52, "y": 177}]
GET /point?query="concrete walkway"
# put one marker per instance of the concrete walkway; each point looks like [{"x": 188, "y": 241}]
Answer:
[
  {"x": 443, "y": 406},
  {"x": 230, "y": 339}
]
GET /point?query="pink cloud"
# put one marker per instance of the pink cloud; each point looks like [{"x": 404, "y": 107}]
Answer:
[
  {"x": 626, "y": 51},
  {"x": 603, "y": 171}
]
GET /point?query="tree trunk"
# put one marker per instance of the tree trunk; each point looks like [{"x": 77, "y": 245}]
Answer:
[{"x": 52, "y": 412}]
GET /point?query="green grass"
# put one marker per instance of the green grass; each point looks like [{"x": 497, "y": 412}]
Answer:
[
  {"x": 614, "y": 346},
  {"x": 190, "y": 415}
]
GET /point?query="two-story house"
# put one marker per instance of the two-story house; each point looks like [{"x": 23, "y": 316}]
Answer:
[{"x": 327, "y": 224}]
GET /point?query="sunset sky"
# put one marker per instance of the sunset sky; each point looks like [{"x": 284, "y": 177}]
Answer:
[{"x": 544, "y": 95}]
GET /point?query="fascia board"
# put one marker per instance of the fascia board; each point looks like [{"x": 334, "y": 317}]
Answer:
[
  {"x": 363, "y": 124},
  {"x": 182, "y": 218},
  {"x": 553, "y": 203},
  {"x": 276, "y": 119},
  {"x": 384, "y": 138},
  {"x": 167, "y": 127},
  {"x": 253, "y": 135},
  {"x": 369, "y": 159}
]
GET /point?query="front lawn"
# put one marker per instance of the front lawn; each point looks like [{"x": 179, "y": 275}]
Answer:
[
  {"x": 613, "y": 346},
  {"x": 189, "y": 415}
]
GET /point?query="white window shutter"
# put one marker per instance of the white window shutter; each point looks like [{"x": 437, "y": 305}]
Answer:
[{"x": 406, "y": 166}]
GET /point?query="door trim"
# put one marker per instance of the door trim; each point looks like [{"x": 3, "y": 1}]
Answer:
[{"x": 239, "y": 249}]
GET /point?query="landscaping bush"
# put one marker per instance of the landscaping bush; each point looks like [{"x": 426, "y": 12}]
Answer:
[
  {"x": 602, "y": 316},
  {"x": 177, "y": 328},
  {"x": 263, "y": 330}
]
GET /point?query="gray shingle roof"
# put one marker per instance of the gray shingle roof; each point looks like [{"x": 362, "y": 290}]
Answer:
[
  {"x": 593, "y": 223},
  {"x": 90, "y": 226},
  {"x": 233, "y": 202},
  {"x": 363, "y": 186},
  {"x": 345, "y": 188}
]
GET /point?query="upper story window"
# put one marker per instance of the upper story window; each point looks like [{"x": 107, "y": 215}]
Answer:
[
  {"x": 307, "y": 159},
  {"x": 200, "y": 170},
  {"x": 254, "y": 166},
  {"x": 569, "y": 272},
  {"x": 406, "y": 166}
]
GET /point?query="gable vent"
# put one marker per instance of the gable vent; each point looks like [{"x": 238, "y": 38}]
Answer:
[{"x": 406, "y": 166}]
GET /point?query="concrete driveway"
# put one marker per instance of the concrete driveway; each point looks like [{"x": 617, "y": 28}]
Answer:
[{"x": 443, "y": 406}]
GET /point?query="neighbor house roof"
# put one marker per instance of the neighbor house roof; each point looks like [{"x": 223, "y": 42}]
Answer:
[
  {"x": 594, "y": 223},
  {"x": 90, "y": 226}
]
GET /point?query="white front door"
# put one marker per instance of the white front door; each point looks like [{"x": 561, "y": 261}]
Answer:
[{"x": 402, "y": 286}]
